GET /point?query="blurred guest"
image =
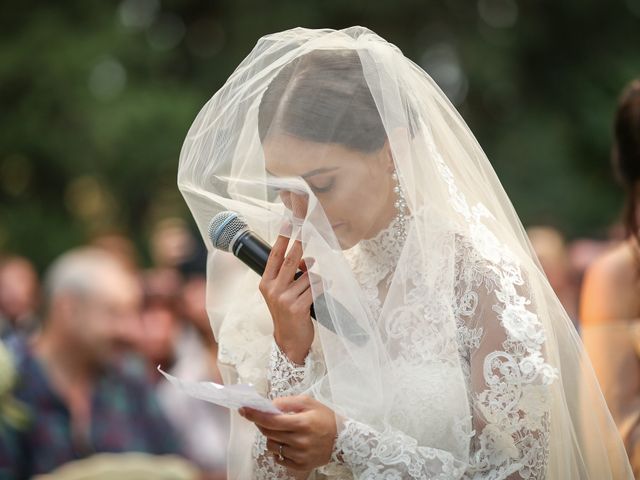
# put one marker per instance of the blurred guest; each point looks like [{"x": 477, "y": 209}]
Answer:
[
  {"x": 79, "y": 398},
  {"x": 119, "y": 246},
  {"x": 161, "y": 322},
  {"x": 551, "y": 249},
  {"x": 19, "y": 291},
  {"x": 13, "y": 414},
  {"x": 203, "y": 427},
  {"x": 584, "y": 251},
  {"x": 171, "y": 243},
  {"x": 610, "y": 304}
]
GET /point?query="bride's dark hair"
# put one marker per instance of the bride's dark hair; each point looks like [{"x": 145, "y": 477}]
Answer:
[
  {"x": 323, "y": 96},
  {"x": 626, "y": 155}
]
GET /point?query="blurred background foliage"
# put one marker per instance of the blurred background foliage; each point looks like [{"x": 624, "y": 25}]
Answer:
[{"x": 97, "y": 97}]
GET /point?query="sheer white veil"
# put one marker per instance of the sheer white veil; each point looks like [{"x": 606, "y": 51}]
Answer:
[{"x": 408, "y": 346}]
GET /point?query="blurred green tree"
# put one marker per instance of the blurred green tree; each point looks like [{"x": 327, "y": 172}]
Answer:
[{"x": 97, "y": 97}]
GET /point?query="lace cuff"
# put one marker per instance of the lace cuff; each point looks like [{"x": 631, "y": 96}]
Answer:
[
  {"x": 391, "y": 454},
  {"x": 286, "y": 377}
]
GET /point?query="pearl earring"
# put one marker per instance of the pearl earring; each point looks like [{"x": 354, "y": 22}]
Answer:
[{"x": 401, "y": 207}]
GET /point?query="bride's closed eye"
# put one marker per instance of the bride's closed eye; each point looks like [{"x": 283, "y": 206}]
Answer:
[{"x": 322, "y": 186}]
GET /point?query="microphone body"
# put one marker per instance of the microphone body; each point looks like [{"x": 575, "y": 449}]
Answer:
[
  {"x": 252, "y": 250},
  {"x": 229, "y": 232}
]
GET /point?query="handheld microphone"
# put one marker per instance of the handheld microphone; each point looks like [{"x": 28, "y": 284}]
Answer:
[{"x": 230, "y": 232}]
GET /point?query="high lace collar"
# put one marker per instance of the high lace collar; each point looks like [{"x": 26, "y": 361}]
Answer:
[
  {"x": 375, "y": 260},
  {"x": 386, "y": 245}
]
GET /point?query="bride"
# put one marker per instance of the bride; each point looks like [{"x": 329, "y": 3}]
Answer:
[{"x": 440, "y": 350}]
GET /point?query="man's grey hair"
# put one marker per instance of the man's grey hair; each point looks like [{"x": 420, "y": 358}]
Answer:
[{"x": 77, "y": 272}]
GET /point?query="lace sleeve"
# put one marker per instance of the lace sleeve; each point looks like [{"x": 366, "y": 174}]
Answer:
[
  {"x": 501, "y": 347},
  {"x": 285, "y": 379}
]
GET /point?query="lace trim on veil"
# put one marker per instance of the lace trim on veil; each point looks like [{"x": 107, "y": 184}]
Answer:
[{"x": 522, "y": 325}]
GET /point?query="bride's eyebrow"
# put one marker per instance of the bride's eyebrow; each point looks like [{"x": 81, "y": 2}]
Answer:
[
  {"x": 318, "y": 171},
  {"x": 310, "y": 173}
]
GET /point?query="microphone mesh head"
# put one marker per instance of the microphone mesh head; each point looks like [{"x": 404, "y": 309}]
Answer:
[{"x": 223, "y": 227}]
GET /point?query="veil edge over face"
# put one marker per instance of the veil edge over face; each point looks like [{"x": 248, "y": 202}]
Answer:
[{"x": 467, "y": 349}]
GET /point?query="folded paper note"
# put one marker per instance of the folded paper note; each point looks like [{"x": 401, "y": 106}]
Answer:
[{"x": 230, "y": 396}]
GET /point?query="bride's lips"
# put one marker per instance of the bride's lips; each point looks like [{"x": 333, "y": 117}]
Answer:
[{"x": 338, "y": 225}]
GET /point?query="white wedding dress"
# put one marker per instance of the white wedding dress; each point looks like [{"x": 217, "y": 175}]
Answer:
[
  {"x": 510, "y": 404},
  {"x": 441, "y": 346}
]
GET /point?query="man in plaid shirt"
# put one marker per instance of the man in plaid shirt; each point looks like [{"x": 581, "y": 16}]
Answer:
[{"x": 71, "y": 397}]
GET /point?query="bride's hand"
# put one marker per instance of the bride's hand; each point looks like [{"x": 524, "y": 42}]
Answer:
[
  {"x": 288, "y": 300},
  {"x": 307, "y": 431}
]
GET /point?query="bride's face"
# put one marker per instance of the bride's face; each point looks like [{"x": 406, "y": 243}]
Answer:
[{"x": 354, "y": 188}]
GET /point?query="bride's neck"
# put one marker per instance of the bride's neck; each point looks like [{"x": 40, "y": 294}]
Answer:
[{"x": 386, "y": 217}]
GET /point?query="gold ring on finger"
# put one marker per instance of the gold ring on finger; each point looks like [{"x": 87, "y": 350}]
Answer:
[{"x": 280, "y": 455}]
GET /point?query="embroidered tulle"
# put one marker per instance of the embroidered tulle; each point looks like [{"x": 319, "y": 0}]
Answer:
[{"x": 501, "y": 350}]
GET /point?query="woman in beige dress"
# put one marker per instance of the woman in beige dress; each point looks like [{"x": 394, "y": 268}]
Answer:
[{"x": 610, "y": 305}]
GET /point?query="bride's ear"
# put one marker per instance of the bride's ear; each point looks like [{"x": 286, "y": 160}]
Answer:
[
  {"x": 387, "y": 157},
  {"x": 395, "y": 147}
]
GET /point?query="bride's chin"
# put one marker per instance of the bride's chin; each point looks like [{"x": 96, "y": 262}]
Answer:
[
  {"x": 344, "y": 246},
  {"x": 345, "y": 242}
]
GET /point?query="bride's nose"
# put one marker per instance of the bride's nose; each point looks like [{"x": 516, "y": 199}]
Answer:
[{"x": 296, "y": 202}]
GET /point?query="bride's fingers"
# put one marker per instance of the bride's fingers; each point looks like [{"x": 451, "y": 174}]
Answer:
[
  {"x": 285, "y": 423},
  {"x": 304, "y": 301},
  {"x": 277, "y": 435},
  {"x": 276, "y": 258},
  {"x": 300, "y": 285},
  {"x": 287, "y": 451},
  {"x": 290, "y": 464},
  {"x": 290, "y": 264},
  {"x": 299, "y": 204},
  {"x": 306, "y": 263}
]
